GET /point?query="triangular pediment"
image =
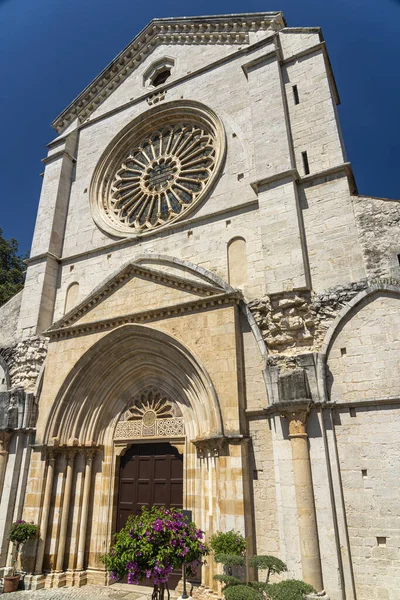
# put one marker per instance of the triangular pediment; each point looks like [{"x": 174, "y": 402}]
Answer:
[
  {"x": 208, "y": 30},
  {"x": 148, "y": 288}
]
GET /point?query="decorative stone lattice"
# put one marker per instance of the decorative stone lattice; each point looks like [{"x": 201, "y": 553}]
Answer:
[
  {"x": 163, "y": 175},
  {"x": 127, "y": 430},
  {"x": 152, "y": 414}
]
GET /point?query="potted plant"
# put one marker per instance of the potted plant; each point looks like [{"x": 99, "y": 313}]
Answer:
[
  {"x": 20, "y": 532},
  {"x": 152, "y": 545}
]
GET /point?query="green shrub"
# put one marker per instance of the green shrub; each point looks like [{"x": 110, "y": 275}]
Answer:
[
  {"x": 242, "y": 592},
  {"x": 271, "y": 564},
  {"x": 21, "y": 532},
  {"x": 230, "y": 560},
  {"x": 290, "y": 589},
  {"x": 230, "y": 542},
  {"x": 228, "y": 580}
]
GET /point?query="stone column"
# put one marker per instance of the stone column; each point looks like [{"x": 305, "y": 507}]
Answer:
[
  {"x": 65, "y": 509},
  {"x": 44, "y": 521},
  {"x": 5, "y": 437},
  {"x": 89, "y": 456},
  {"x": 309, "y": 543}
]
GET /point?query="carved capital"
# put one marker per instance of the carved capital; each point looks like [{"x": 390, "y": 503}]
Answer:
[
  {"x": 89, "y": 454},
  {"x": 296, "y": 417},
  {"x": 210, "y": 446},
  {"x": 70, "y": 454},
  {"x": 5, "y": 437},
  {"x": 52, "y": 454}
]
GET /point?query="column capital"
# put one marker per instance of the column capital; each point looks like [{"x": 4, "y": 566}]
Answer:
[
  {"x": 70, "y": 454},
  {"x": 89, "y": 454},
  {"x": 296, "y": 415},
  {"x": 5, "y": 437}
]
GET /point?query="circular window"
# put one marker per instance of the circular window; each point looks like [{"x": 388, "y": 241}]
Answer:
[{"x": 158, "y": 169}]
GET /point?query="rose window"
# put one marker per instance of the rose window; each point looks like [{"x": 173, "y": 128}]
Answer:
[{"x": 159, "y": 173}]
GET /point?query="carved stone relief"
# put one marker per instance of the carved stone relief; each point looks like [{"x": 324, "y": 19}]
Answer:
[{"x": 151, "y": 414}]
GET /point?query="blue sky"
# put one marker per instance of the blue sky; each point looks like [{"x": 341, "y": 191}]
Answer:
[{"x": 51, "y": 49}]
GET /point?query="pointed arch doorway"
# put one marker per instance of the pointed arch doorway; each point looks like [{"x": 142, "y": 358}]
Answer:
[{"x": 151, "y": 474}]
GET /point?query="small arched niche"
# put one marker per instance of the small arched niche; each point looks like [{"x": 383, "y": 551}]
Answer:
[
  {"x": 71, "y": 298},
  {"x": 237, "y": 262}
]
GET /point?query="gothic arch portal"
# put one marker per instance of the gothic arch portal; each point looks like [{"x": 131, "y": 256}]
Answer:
[{"x": 120, "y": 366}]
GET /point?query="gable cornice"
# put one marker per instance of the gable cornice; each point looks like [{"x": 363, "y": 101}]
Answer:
[
  {"x": 219, "y": 29},
  {"x": 156, "y": 314},
  {"x": 102, "y": 292}
]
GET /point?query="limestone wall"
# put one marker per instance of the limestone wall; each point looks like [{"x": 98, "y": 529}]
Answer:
[
  {"x": 264, "y": 500},
  {"x": 9, "y": 314},
  {"x": 378, "y": 221},
  {"x": 369, "y": 461},
  {"x": 364, "y": 359}
]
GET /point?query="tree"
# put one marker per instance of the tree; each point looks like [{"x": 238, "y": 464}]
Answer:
[{"x": 12, "y": 269}]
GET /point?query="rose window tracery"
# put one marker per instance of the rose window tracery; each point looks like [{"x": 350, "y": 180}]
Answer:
[
  {"x": 158, "y": 171},
  {"x": 162, "y": 176}
]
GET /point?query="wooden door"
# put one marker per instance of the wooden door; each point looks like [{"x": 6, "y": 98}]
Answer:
[{"x": 150, "y": 475}]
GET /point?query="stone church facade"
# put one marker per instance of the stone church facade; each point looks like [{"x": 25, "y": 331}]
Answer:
[{"x": 210, "y": 317}]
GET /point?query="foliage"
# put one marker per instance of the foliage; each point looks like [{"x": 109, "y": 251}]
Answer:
[
  {"x": 230, "y": 560},
  {"x": 230, "y": 542},
  {"x": 228, "y": 580},
  {"x": 153, "y": 544},
  {"x": 242, "y": 592},
  {"x": 269, "y": 563},
  {"x": 12, "y": 269},
  {"x": 290, "y": 589},
  {"x": 21, "y": 531},
  {"x": 234, "y": 589},
  {"x": 260, "y": 586}
]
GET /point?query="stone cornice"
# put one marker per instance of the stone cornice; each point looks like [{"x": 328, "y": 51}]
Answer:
[
  {"x": 215, "y": 301},
  {"x": 220, "y": 29}
]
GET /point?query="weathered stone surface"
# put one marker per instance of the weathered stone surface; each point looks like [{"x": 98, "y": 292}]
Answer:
[
  {"x": 24, "y": 361},
  {"x": 9, "y": 314},
  {"x": 295, "y": 321}
]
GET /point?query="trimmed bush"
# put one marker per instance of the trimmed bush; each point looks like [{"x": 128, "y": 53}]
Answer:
[
  {"x": 290, "y": 589},
  {"x": 271, "y": 564},
  {"x": 230, "y": 560},
  {"x": 242, "y": 592},
  {"x": 228, "y": 580}
]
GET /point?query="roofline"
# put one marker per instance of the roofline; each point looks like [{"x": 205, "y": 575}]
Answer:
[{"x": 271, "y": 15}]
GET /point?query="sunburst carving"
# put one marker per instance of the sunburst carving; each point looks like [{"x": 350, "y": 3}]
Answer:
[{"x": 150, "y": 406}]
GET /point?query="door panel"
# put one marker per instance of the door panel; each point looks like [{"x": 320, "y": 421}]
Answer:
[{"x": 150, "y": 475}]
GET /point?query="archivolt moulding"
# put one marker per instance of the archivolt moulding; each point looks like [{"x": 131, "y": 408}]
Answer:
[{"x": 157, "y": 169}]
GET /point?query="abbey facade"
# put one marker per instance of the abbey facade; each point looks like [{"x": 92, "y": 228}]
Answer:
[{"x": 210, "y": 319}]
